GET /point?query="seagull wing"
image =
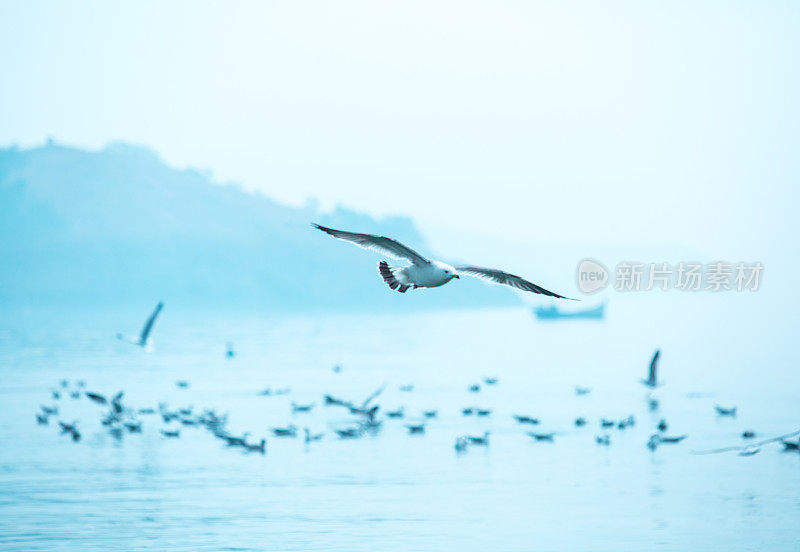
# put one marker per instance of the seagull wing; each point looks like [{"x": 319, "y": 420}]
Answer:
[
  {"x": 654, "y": 366},
  {"x": 500, "y": 277},
  {"x": 373, "y": 396},
  {"x": 148, "y": 326},
  {"x": 387, "y": 246}
]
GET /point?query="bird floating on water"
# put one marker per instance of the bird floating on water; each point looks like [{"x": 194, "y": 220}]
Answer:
[
  {"x": 427, "y": 273},
  {"x": 480, "y": 441},
  {"x": 676, "y": 439},
  {"x": 750, "y": 451},
  {"x": 256, "y": 447},
  {"x": 349, "y": 433},
  {"x": 288, "y": 431},
  {"x": 97, "y": 397},
  {"x": 395, "y": 413},
  {"x": 722, "y": 411},
  {"x": 312, "y": 436},
  {"x": 603, "y": 440}
]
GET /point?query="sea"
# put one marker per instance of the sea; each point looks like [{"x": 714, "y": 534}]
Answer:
[{"x": 389, "y": 489}]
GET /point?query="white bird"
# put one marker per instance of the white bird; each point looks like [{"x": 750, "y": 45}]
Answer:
[
  {"x": 143, "y": 339},
  {"x": 427, "y": 273}
]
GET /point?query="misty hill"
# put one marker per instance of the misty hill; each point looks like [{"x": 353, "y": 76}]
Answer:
[{"x": 119, "y": 227}]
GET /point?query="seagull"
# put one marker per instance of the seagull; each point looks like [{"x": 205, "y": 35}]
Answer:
[
  {"x": 143, "y": 340},
  {"x": 652, "y": 380},
  {"x": 348, "y": 433},
  {"x": 133, "y": 427},
  {"x": 312, "y": 436},
  {"x": 677, "y": 439},
  {"x": 288, "y": 431},
  {"x": 427, "y": 273},
  {"x": 395, "y": 413},
  {"x": 750, "y": 451},
  {"x": 256, "y": 447},
  {"x": 481, "y": 441},
  {"x": 542, "y": 436},
  {"x": 97, "y": 397}
]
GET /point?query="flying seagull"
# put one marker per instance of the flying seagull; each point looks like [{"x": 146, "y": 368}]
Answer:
[
  {"x": 427, "y": 273},
  {"x": 652, "y": 380},
  {"x": 143, "y": 340}
]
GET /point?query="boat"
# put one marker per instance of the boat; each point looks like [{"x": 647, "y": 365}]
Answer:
[{"x": 552, "y": 312}]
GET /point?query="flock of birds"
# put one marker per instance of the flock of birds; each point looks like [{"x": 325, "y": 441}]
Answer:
[
  {"x": 367, "y": 416},
  {"x": 421, "y": 272}
]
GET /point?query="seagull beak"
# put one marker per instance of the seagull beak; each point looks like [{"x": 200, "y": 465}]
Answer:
[{"x": 456, "y": 276}]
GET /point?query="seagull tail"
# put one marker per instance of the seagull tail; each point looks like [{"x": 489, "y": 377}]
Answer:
[{"x": 387, "y": 272}]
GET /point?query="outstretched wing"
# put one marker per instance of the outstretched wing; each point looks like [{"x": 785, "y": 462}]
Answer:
[
  {"x": 654, "y": 366},
  {"x": 373, "y": 396},
  {"x": 387, "y": 246},
  {"x": 500, "y": 277},
  {"x": 148, "y": 326}
]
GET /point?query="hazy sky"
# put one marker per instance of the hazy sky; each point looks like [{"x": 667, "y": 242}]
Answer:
[{"x": 554, "y": 122}]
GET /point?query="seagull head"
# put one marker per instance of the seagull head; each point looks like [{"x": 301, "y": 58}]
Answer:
[{"x": 448, "y": 270}]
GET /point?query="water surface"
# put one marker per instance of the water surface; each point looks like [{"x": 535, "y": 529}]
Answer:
[{"x": 391, "y": 490}]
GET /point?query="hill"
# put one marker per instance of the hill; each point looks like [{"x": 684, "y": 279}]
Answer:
[{"x": 120, "y": 227}]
